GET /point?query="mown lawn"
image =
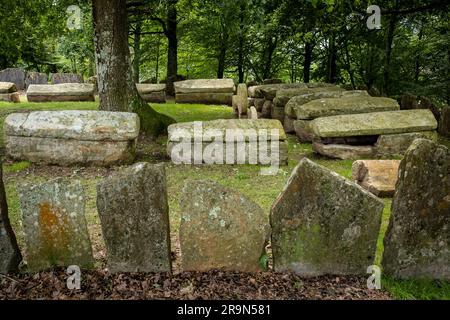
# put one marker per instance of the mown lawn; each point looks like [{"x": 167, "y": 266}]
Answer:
[{"x": 246, "y": 179}]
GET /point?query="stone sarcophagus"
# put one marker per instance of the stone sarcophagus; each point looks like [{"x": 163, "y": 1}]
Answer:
[
  {"x": 60, "y": 92},
  {"x": 72, "y": 137},
  {"x": 207, "y": 91}
]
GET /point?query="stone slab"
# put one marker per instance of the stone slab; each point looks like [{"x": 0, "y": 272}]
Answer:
[{"x": 376, "y": 176}]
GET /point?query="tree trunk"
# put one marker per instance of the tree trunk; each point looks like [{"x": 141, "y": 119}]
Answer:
[
  {"x": 270, "y": 49},
  {"x": 332, "y": 65},
  {"x": 241, "y": 41},
  {"x": 116, "y": 86},
  {"x": 172, "y": 56},
  {"x": 388, "y": 59},
  {"x": 222, "y": 54},
  {"x": 307, "y": 63},
  {"x": 137, "y": 52}
]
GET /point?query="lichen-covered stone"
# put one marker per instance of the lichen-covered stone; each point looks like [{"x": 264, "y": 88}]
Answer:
[
  {"x": 10, "y": 255},
  {"x": 63, "y": 78},
  {"x": 220, "y": 229},
  {"x": 377, "y": 123},
  {"x": 10, "y": 97},
  {"x": 417, "y": 242},
  {"x": 344, "y": 105},
  {"x": 54, "y": 223},
  {"x": 252, "y": 113},
  {"x": 7, "y": 87},
  {"x": 36, "y": 78},
  {"x": 376, "y": 176},
  {"x": 205, "y": 98},
  {"x": 392, "y": 145},
  {"x": 226, "y": 124},
  {"x": 133, "y": 209},
  {"x": 324, "y": 224},
  {"x": 303, "y": 130},
  {"x": 313, "y": 94},
  {"x": 60, "y": 92},
  {"x": 288, "y": 124},
  {"x": 73, "y": 124},
  {"x": 242, "y": 99},
  {"x": 153, "y": 93},
  {"x": 266, "y": 111},
  {"x": 14, "y": 75},
  {"x": 344, "y": 151},
  {"x": 204, "y": 86},
  {"x": 285, "y": 95}
]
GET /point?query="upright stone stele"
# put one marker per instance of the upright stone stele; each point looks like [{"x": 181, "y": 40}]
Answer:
[
  {"x": 324, "y": 224},
  {"x": 220, "y": 229},
  {"x": 54, "y": 223},
  {"x": 10, "y": 256},
  {"x": 242, "y": 99},
  {"x": 134, "y": 212},
  {"x": 417, "y": 243}
]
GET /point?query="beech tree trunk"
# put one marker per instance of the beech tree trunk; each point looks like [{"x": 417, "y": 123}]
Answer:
[{"x": 116, "y": 86}]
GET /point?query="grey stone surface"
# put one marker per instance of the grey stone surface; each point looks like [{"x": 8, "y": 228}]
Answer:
[
  {"x": 36, "y": 78},
  {"x": 417, "y": 242},
  {"x": 205, "y": 98},
  {"x": 397, "y": 144},
  {"x": 284, "y": 96},
  {"x": 376, "y": 176},
  {"x": 132, "y": 205},
  {"x": 252, "y": 113},
  {"x": 7, "y": 87},
  {"x": 324, "y": 224},
  {"x": 344, "y": 151},
  {"x": 62, "y": 78},
  {"x": 60, "y": 92},
  {"x": 14, "y": 75},
  {"x": 288, "y": 125},
  {"x": 220, "y": 229},
  {"x": 53, "y": 216},
  {"x": 10, "y": 255},
  {"x": 152, "y": 93},
  {"x": 63, "y": 152},
  {"x": 73, "y": 124},
  {"x": 303, "y": 130},
  {"x": 344, "y": 105},
  {"x": 377, "y": 123},
  {"x": 204, "y": 86},
  {"x": 242, "y": 99}
]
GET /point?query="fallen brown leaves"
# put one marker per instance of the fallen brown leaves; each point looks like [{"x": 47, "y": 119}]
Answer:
[{"x": 214, "y": 285}]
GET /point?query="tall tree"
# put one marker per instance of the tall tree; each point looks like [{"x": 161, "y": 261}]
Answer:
[{"x": 117, "y": 89}]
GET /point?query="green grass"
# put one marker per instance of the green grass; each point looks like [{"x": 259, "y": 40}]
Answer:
[{"x": 244, "y": 178}]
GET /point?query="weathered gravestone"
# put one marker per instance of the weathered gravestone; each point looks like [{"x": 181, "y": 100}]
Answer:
[
  {"x": 377, "y": 176},
  {"x": 324, "y": 224},
  {"x": 10, "y": 256},
  {"x": 133, "y": 209},
  {"x": 36, "y": 78},
  {"x": 54, "y": 223},
  {"x": 417, "y": 242},
  {"x": 14, "y": 75},
  {"x": 61, "y": 78},
  {"x": 220, "y": 229}
]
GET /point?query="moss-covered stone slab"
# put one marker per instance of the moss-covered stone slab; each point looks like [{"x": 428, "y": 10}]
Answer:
[
  {"x": 10, "y": 255},
  {"x": 324, "y": 224},
  {"x": 344, "y": 105},
  {"x": 285, "y": 95},
  {"x": 204, "y": 86},
  {"x": 220, "y": 229},
  {"x": 344, "y": 151},
  {"x": 7, "y": 87},
  {"x": 60, "y": 92},
  {"x": 377, "y": 123},
  {"x": 288, "y": 125},
  {"x": 303, "y": 130},
  {"x": 134, "y": 213},
  {"x": 395, "y": 145},
  {"x": 376, "y": 176},
  {"x": 318, "y": 93},
  {"x": 417, "y": 242},
  {"x": 223, "y": 126},
  {"x": 54, "y": 223}
]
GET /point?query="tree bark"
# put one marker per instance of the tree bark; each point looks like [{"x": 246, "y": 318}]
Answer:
[
  {"x": 241, "y": 42},
  {"x": 222, "y": 54},
  {"x": 116, "y": 86},
  {"x": 172, "y": 55},
  {"x": 332, "y": 64},
  {"x": 307, "y": 62},
  {"x": 137, "y": 52},
  {"x": 388, "y": 59}
]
